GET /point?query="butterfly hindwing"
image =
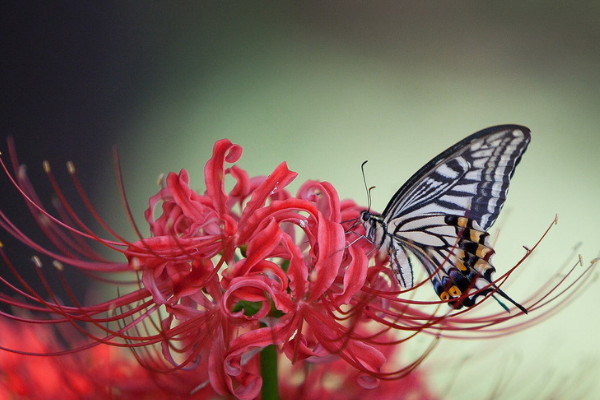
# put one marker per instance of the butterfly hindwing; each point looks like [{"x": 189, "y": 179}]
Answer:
[{"x": 441, "y": 214}]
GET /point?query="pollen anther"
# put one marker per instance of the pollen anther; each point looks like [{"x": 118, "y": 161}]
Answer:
[
  {"x": 135, "y": 263},
  {"x": 58, "y": 265},
  {"x": 36, "y": 260}
]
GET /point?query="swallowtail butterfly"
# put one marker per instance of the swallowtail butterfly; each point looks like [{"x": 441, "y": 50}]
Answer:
[{"x": 440, "y": 216}]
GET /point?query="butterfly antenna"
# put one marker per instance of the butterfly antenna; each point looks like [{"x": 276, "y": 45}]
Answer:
[{"x": 367, "y": 189}]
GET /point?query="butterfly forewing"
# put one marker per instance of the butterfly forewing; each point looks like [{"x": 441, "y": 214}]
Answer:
[
  {"x": 440, "y": 215},
  {"x": 473, "y": 174}
]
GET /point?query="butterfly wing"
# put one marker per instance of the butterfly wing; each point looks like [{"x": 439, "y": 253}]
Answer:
[
  {"x": 440, "y": 215},
  {"x": 472, "y": 175}
]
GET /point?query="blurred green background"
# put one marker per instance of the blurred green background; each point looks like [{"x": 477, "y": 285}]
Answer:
[{"x": 325, "y": 86}]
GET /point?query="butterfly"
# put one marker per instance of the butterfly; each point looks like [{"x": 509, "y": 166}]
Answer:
[{"x": 439, "y": 218}]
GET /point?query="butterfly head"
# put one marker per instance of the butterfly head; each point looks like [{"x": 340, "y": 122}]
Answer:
[
  {"x": 365, "y": 219},
  {"x": 376, "y": 232},
  {"x": 365, "y": 216}
]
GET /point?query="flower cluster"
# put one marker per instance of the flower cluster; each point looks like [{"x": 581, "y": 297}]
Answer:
[
  {"x": 241, "y": 270},
  {"x": 227, "y": 273}
]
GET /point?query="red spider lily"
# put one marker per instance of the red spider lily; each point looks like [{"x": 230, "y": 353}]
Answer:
[{"x": 224, "y": 274}]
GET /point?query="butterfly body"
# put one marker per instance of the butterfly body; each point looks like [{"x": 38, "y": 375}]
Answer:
[{"x": 439, "y": 218}]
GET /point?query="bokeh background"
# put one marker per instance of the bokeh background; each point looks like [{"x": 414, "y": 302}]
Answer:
[{"x": 325, "y": 87}]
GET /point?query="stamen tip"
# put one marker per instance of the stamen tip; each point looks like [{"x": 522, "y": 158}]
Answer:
[
  {"x": 36, "y": 260},
  {"x": 58, "y": 265},
  {"x": 70, "y": 167},
  {"x": 135, "y": 263},
  {"x": 161, "y": 180},
  {"x": 46, "y": 166}
]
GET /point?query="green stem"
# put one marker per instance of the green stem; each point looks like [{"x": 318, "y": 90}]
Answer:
[{"x": 268, "y": 371}]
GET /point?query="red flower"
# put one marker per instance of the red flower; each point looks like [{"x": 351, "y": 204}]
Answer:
[
  {"x": 239, "y": 305},
  {"x": 225, "y": 274}
]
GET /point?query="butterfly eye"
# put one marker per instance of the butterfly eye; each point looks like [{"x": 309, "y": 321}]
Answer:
[{"x": 365, "y": 215}]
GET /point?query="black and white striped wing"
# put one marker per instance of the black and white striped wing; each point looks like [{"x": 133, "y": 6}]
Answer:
[
  {"x": 470, "y": 177},
  {"x": 440, "y": 216}
]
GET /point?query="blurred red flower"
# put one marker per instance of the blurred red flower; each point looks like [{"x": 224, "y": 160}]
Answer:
[{"x": 36, "y": 367}]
